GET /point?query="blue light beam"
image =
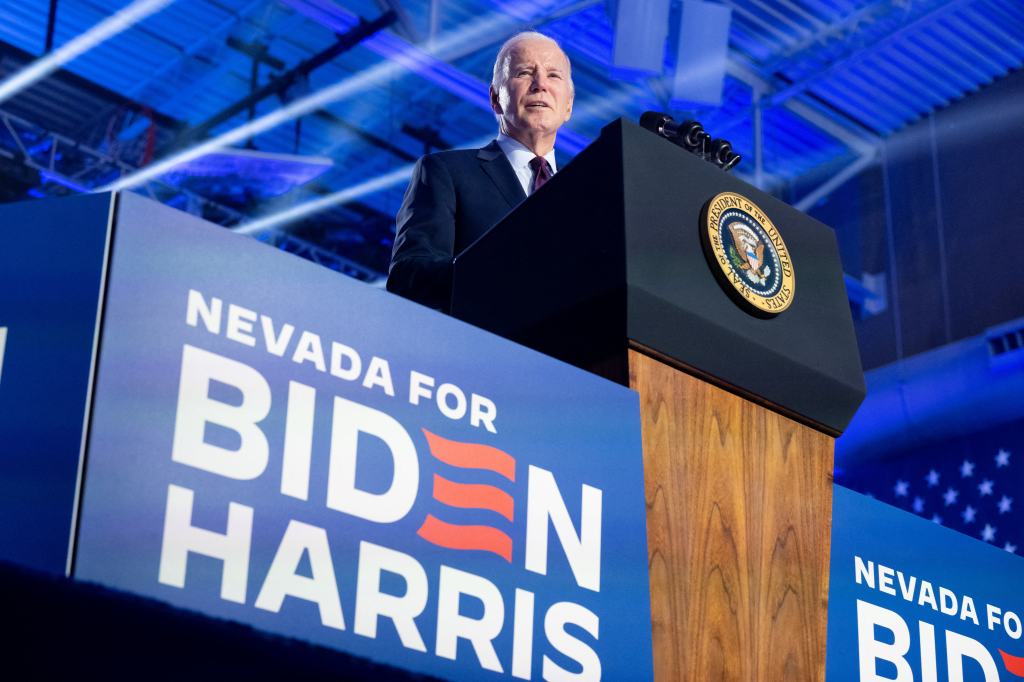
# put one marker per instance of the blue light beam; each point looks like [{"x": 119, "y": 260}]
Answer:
[
  {"x": 450, "y": 46},
  {"x": 109, "y": 27},
  {"x": 276, "y": 220}
]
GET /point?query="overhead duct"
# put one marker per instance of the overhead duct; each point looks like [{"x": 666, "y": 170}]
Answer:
[
  {"x": 641, "y": 27},
  {"x": 701, "y": 54},
  {"x": 955, "y": 390}
]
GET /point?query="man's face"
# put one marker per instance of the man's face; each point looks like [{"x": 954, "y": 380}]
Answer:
[{"x": 535, "y": 98}]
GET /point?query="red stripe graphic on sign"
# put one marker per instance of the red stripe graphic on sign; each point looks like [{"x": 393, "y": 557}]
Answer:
[
  {"x": 473, "y": 496},
  {"x": 471, "y": 455},
  {"x": 484, "y": 538},
  {"x": 1014, "y": 664}
]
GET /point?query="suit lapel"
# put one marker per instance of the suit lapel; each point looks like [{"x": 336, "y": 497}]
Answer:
[{"x": 496, "y": 165}]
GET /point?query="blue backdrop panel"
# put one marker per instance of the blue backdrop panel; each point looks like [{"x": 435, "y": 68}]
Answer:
[
  {"x": 909, "y": 599},
  {"x": 574, "y": 439},
  {"x": 51, "y": 266}
]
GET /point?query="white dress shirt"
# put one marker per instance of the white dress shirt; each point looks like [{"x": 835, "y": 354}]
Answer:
[{"x": 519, "y": 155}]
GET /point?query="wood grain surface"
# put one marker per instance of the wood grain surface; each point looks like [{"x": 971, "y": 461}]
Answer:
[{"x": 739, "y": 505}]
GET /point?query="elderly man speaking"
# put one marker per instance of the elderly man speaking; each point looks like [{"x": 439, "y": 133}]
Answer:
[{"x": 456, "y": 196}]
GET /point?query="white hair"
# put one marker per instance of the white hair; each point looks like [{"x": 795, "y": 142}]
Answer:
[{"x": 501, "y": 62}]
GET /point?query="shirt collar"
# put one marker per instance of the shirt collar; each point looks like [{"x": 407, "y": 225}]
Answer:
[{"x": 519, "y": 155}]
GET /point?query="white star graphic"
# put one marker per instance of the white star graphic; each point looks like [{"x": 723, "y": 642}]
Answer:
[
  {"x": 988, "y": 533},
  {"x": 967, "y": 469},
  {"x": 950, "y": 496},
  {"x": 968, "y": 514},
  {"x": 985, "y": 488},
  {"x": 1004, "y": 504},
  {"x": 936, "y": 519},
  {"x": 1011, "y": 548},
  {"x": 918, "y": 505},
  {"x": 901, "y": 488},
  {"x": 932, "y": 478},
  {"x": 1002, "y": 458}
]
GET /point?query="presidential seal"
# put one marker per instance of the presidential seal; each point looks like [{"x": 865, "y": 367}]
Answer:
[{"x": 747, "y": 254}]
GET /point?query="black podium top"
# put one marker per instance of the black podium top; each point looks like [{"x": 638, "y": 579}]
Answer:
[{"x": 608, "y": 254}]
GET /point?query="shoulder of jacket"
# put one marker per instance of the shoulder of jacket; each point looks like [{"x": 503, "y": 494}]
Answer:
[{"x": 449, "y": 155}]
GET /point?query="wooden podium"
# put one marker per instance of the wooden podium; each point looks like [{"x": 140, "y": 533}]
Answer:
[{"x": 604, "y": 268}]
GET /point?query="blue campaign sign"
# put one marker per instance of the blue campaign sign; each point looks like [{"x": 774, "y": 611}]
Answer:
[
  {"x": 51, "y": 272},
  {"x": 278, "y": 445},
  {"x": 911, "y": 600}
]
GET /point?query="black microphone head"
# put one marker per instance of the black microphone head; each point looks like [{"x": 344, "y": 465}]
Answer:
[
  {"x": 690, "y": 133},
  {"x": 720, "y": 152},
  {"x": 654, "y": 121}
]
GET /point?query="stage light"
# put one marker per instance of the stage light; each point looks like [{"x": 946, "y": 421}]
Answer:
[{"x": 107, "y": 28}]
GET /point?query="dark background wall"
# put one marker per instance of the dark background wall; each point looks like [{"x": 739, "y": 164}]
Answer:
[
  {"x": 941, "y": 216},
  {"x": 940, "y": 220}
]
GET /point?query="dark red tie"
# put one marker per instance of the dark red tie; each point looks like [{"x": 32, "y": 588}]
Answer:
[{"x": 541, "y": 172}]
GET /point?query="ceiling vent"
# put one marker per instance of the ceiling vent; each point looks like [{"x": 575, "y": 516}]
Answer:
[{"x": 1006, "y": 344}]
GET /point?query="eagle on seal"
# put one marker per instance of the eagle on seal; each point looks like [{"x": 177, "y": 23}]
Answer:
[{"x": 751, "y": 250}]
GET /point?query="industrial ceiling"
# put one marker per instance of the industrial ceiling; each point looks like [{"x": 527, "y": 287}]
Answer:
[{"x": 297, "y": 120}]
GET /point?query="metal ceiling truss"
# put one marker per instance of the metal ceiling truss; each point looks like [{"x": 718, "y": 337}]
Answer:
[
  {"x": 815, "y": 85},
  {"x": 281, "y": 83},
  {"x": 72, "y": 166},
  {"x": 65, "y": 165}
]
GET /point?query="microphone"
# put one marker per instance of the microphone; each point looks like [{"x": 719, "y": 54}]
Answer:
[
  {"x": 688, "y": 134},
  {"x": 691, "y": 136},
  {"x": 722, "y": 155}
]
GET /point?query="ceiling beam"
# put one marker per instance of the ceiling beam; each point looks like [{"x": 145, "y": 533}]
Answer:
[
  {"x": 807, "y": 201},
  {"x": 278, "y": 85},
  {"x": 98, "y": 34},
  {"x": 215, "y": 36},
  {"x": 862, "y": 143},
  {"x": 852, "y": 55}
]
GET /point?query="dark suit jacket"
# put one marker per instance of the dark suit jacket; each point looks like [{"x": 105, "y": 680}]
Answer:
[{"x": 453, "y": 198}]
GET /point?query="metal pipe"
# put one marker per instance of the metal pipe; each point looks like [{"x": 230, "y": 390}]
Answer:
[
  {"x": 51, "y": 25},
  {"x": 278, "y": 85}
]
